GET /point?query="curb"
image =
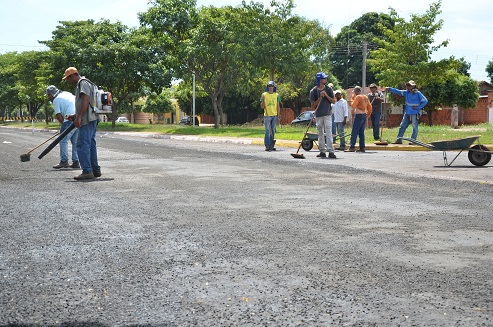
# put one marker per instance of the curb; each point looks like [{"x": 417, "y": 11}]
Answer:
[{"x": 257, "y": 141}]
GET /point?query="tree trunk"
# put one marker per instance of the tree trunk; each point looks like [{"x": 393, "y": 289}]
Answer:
[
  {"x": 46, "y": 112},
  {"x": 430, "y": 117},
  {"x": 114, "y": 108},
  {"x": 216, "y": 112},
  {"x": 132, "y": 106},
  {"x": 220, "y": 108}
]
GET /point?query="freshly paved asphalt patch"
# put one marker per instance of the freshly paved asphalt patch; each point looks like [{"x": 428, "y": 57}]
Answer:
[{"x": 189, "y": 233}]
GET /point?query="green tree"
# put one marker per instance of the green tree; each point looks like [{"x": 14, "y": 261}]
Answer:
[
  {"x": 489, "y": 70},
  {"x": 8, "y": 91},
  {"x": 234, "y": 50},
  {"x": 407, "y": 50},
  {"x": 119, "y": 59},
  {"x": 183, "y": 93},
  {"x": 22, "y": 82},
  {"x": 158, "y": 103},
  {"x": 30, "y": 80},
  {"x": 346, "y": 54}
]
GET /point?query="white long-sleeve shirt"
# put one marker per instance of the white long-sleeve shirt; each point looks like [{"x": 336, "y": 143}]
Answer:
[{"x": 340, "y": 110}]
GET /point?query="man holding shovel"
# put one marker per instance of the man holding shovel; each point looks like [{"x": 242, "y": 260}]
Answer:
[
  {"x": 270, "y": 101},
  {"x": 64, "y": 104},
  {"x": 376, "y": 100},
  {"x": 321, "y": 98}
]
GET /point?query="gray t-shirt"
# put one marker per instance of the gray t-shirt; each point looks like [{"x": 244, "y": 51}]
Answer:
[
  {"x": 324, "y": 108},
  {"x": 376, "y": 104},
  {"x": 85, "y": 87}
]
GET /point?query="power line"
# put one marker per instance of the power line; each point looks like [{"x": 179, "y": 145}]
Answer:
[{"x": 21, "y": 45}]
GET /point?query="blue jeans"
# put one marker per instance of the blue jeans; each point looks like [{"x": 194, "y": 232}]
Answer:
[
  {"x": 375, "y": 123},
  {"x": 406, "y": 121},
  {"x": 72, "y": 136},
  {"x": 359, "y": 125},
  {"x": 86, "y": 146},
  {"x": 269, "y": 132},
  {"x": 340, "y": 132}
]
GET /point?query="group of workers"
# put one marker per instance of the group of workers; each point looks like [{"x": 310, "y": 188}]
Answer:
[{"x": 331, "y": 113}]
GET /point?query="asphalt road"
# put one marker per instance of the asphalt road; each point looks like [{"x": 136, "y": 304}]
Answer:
[{"x": 190, "y": 233}]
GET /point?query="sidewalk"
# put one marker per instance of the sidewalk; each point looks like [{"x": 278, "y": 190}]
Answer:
[
  {"x": 279, "y": 143},
  {"x": 289, "y": 143}
]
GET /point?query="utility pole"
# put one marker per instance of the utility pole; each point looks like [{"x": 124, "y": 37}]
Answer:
[
  {"x": 363, "y": 77},
  {"x": 193, "y": 101}
]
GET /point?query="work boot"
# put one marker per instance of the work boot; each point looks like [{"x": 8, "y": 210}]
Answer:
[
  {"x": 84, "y": 176},
  {"x": 61, "y": 165},
  {"x": 75, "y": 164}
]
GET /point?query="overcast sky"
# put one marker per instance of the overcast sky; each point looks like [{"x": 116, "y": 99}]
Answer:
[{"x": 467, "y": 25}]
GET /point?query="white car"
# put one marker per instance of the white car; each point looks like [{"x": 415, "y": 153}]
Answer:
[{"x": 122, "y": 120}]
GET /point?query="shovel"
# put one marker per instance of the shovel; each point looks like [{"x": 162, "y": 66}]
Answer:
[
  {"x": 27, "y": 156},
  {"x": 380, "y": 142}
]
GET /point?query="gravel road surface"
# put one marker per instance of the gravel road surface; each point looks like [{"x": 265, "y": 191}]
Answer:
[{"x": 190, "y": 233}]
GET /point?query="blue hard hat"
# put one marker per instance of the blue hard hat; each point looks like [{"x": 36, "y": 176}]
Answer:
[
  {"x": 319, "y": 76},
  {"x": 271, "y": 83}
]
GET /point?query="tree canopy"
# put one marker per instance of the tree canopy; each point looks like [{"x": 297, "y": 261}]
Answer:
[
  {"x": 405, "y": 54},
  {"x": 109, "y": 54},
  {"x": 233, "y": 52},
  {"x": 229, "y": 48}
]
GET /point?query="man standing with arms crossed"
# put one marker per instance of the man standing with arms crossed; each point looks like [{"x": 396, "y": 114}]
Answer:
[
  {"x": 321, "y": 98},
  {"x": 86, "y": 120},
  {"x": 376, "y": 99}
]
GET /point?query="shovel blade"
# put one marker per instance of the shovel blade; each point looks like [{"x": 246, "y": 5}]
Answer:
[
  {"x": 25, "y": 157},
  {"x": 298, "y": 155}
]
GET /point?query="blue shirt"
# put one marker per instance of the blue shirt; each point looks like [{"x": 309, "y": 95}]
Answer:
[{"x": 413, "y": 99}]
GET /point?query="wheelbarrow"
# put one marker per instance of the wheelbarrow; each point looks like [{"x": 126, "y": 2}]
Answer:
[
  {"x": 311, "y": 138},
  {"x": 478, "y": 154}
]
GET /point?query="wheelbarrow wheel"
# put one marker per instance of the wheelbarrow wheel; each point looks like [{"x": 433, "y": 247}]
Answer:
[
  {"x": 477, "y": 156},
  {"x": 307, "y": 144}
]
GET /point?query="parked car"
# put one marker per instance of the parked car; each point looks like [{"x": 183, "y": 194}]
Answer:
[
  {"x": 122, "y": 120},
  {"x": 187, "y": 120},
  {"x": 304, "y": 118}
]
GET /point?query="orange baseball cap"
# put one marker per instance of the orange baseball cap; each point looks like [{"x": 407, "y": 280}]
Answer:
[{"x": 69, "y": 71}]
